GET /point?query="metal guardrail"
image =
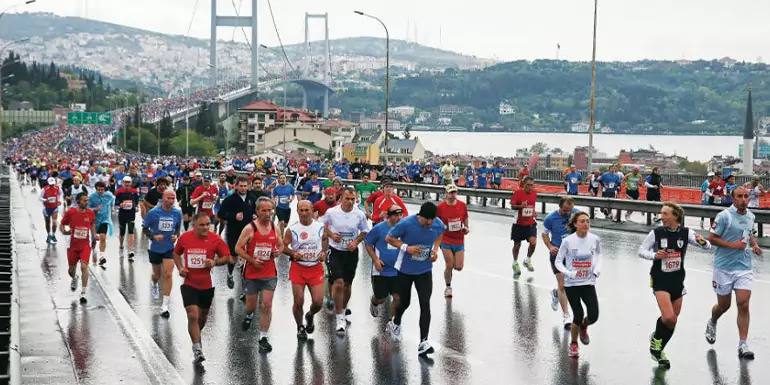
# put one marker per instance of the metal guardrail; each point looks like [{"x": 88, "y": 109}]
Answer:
[{"x": 10, "y": 361}]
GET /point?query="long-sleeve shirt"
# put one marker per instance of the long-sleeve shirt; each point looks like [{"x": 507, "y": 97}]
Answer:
[
  {"x": 648, "y": 248},
  {"x": 579, "y": 259},
  {"x": 234, "y": 204}
]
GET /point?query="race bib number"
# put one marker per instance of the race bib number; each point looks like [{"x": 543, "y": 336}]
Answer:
[
  {"x": 308, "y": 253},
  {"x": 316, "y": 189},
  {"x": 166, "y": 225},
  {"x": 196, "y": 261},
  {"x": 127, "y": 205},
  {"x": 595, "y": 184},
  {"x": 717, "y": 200},
  {"x": 283, "y": 200},
  {"x": 145, "y": 189},
  {"x": 207, "y": 205},
  {"x": 582, "y": 270},
  {"x": 455, "y": 226},
  {"x": 80, "y": 233},
  {"x": 498, "y": 175},
  {"x": 573, "y": 180},
  {"x": 671, "y": 262},
  {"x": 51, "y": 200},
  {"x": 611, "y": 185},
  {"x": 365, "y": 194},
  {"x": 429, "y": 179},
  {"x": 424, "y": 255},
  {"x": 631, "y": 184},
  {"x": 527, "y": 211},
  {"x": 263, "y": 252}
]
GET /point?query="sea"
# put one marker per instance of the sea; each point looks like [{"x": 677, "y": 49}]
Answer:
[{"x": 694, "y": 148}]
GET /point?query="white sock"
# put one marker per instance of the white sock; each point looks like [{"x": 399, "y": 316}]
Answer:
[
  {"x": 196, "y": 346},
  {"x": 250, "y": 315},
  {"x": 166, "y": 299},
  {"x": 340, "y": 317},
  {"x": 262, "y": 335},
  {"x": 83, "y": 292}
]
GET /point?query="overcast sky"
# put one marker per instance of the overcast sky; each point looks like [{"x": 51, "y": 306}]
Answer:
[{"x": 501, "y": 29}]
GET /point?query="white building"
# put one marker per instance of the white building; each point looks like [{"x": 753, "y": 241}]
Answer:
[
  {"x": 506, "y": 108},
  {"x": 403, "y": 111},
  {"x": 299, "y": 132},
  {"x": 450, "y": 110},
  {"x": 371, "y": 124},
  {"x": 580, "y": 127},
  {"x": 444, "y": 121}
]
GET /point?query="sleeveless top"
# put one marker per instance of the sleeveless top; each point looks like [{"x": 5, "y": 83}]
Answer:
[
  {"x": 261, "y": 247},
  {"x": 307, "y": 240}
]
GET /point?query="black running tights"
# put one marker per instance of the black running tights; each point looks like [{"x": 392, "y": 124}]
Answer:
[
  {"x": 586, "y": 294},
  {"x": 423, "y": 283}
]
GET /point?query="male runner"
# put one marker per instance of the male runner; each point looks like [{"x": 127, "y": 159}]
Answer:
[
  {"x": 79, "y": 222},
  {"x": 238, "y": 210},
  {"x": 346, "y": 228},
  {"x": 155, "y": 194},
  {"x": 524, "y": 226},
  {"x": 162, "y": 226},
  {"x": 306, "y": 244},
  {"x": 572, "y": 180},
  {"x": 384, "y": 201},
  {"x": 384, "y": 258},
  {"x": 204, "y": 197},
  {"x": 222, "y": 192},
  {"x": 321, "y": 207},
  {"x": 632, "y": 181},
  {"x": 259, "y": 245},
  {"x": 365, "y": 189},
  {"x": 454, "y": 214},
  {"x": 51, "y": 196},
  {"x": 128, "y": 203},
  {"x": 76, "y": 188},
  {"x": 732, "y": 235},
  {"x": 183, "y": 194},
  {"x": 554, "y": 230},
  {"x": 195, "y": 253},
  {"x": 283, "y": 195},
  {"x": 101, "y": 202}
]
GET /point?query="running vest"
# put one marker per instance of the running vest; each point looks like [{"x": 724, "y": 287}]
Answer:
[
  {"x": 51, "y": 196},
  {"x": 670, "y": 268},
  {"x": 632, "y": 183},
  {"x": 754, "y": 197},
  {"x": 306, "y": 240},
  {"x": 261, "y": 247}
]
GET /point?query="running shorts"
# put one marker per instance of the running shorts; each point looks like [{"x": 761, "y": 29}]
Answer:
[
  {"x": 342, "y": 265},
  {"x": 553, "y": 265},
  {"x": 192, "y": 296},
  {"x": 254, "y": 286},
  {"x": 188, "y": 210},
  {"x": 453, "y": 248},
  {"x": 306, "y": 275},
  {"x": 157, "y": 258},
  {"x": 102, "y": 228},
  {"x": 126, "y": 224},
  {"x": 73, "y": 256},
  {"x": 283, "y": 214},
  {"x": 50, "y": 212},
  {"x": 633, "y": 194},
  {"x": 675, "y": 289},
  {"x": 724, "y": 282},
  {"x": 522, "y": 233},
  {"x": 383, "y": 286}
]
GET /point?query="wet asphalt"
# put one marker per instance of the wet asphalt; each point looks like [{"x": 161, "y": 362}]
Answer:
[{"x": 496, "y": 329}]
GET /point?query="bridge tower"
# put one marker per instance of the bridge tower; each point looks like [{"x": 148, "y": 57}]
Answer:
[
  {"x": 234, "y": 21},
  {"x": 317, "y": 92}
]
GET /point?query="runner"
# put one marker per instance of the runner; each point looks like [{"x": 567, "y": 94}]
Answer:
[
  {"x": 101, "y": 202},
  {"x": 259, "y": 245},
  {"x": 364, "y": 190},
  {"x": 77, "y": 188},
  {"x": 383, "y": 261},
  {"x": 321, "y": 207},
  {"x": 572, "y": 180},
  {"x": 162, "y": 226},
  {"x": 204, "y": 197},
  {"x": 195, "y": 253},
  {"x": 128, "y": 201},
  {"x": 384, "y": 201},
  {"x": 311, "y": 190},
  {"x": 418, "y": 238},
  {"x": 306, "y": 244},
  {"x": 632, "y": 182},
  {"x": 51, "y": 196},
  {"x": 594, "y": 183},
  {"x": 524, "y": 226},
  {"x": 580, "y": 261},
  {"x": 238, "y": 210},
  {"x": 666, "y": 246},
  {"x": 283, "y": 195},
  {"x": 183, "y": 196},
  {"x": 222, "y": 192},
  {"x": 654, "y": 184},
  {"x": 731, "y": 233},
  {"x": 153, "y": 197},
  {"x": 610, "y": 182},
  {"x": 346, "y": 228},
  {"x": 756, "y": 190},
  {"x": 79, "y": 222},
  {"x": 554, "y": 231},
  {"x": 454, "y": 214}
]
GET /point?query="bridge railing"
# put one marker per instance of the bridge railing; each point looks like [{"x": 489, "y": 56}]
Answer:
[{"x": 10, "y": 360}]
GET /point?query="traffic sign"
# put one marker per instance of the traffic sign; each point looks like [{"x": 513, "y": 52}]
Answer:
[{"x": 89, "y": 118}]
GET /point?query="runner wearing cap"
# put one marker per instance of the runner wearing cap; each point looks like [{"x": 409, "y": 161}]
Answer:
[
  {"x": 127, "y": 199},
  {"x": 51, "y": 196},
  {"x": 454, "y": 214},
  {"x": 77, "y": 188}
]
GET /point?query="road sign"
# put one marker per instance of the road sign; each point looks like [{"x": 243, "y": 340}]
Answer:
[{"x": 89, "y": 118}]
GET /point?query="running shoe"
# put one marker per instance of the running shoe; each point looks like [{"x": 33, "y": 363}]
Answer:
[
  {"x": 341, "y": 325},
  {"x": 230, "y": 281},
  {"x": 374, "y": 309},
  {"x": 702, "y": 224},
  {"x": 424, "y": 348},
  {"x": 584, "y": 336},
  {"x": 131, "y": 256},
  {"x": 567, "y": 319},
  {"x": 516, "y": 269},
  {"x": 711, "y": 332},
  {"x": 155, "y": 291},
  {"x": 554, "y": 300},
  {"x": 83, "y": 300},
  {"x": 48, "y": 239},
  {"x": 348, "y": 312},
  {"x": 53, "y": 239},
  {"x": 329, "y": 304},
  {"x": 102, "y": 261},
  {"x": 573, "y": 349},
  {"x": 246, "y": 324},
  {"x": 309, "y": 324},
  {"x": 656, "y": 352},
  {"x": 395, "y": 331},
  {"x": 744, "y": 352},
  {"x": 301, "y": 333},
  {"x": 448, "y": 292},
  {"x": 198, "y": 357},
  {"x": 164, "y": 312},
  {"x": 264, "y": 345},
  {"x": 74, "y": 283},
  {"x": 528, "y": 265}
]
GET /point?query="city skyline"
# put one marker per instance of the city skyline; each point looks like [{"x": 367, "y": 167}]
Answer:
[{"x": 652, "y": 29}]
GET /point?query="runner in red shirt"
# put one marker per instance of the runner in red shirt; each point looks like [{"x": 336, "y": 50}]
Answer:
[
  {"x": 205, "y": 196},
  {"x": 80, "y": 222},
  {"x": 195, "y": 254},
  {"x": 524, "y": 226},
  {"x": 51, "y": 196},
  {"x": 454, "y": 214},
  {"x": 523, "y": 173},
  {"x": 330, "y": 200},
  {"x": 717, "y": 189},
  {"x": 259, "y": 245},
  {"x": 383, "y": 203}
]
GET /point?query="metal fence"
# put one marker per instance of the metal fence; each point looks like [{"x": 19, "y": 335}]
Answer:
[{"x": 9, "y": 304}]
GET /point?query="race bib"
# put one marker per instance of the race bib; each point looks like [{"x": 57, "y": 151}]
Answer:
[
  {"x": 166, "y": 225},
  {"x": 672, "y": 261},
  {"x": 573, "y": 180},
  {"x": 145, "y": 189},
  {"x": 365, "y": 194},
  {"x": 196, "y": 261},
  {"x": 424, "y": 255},
  {"x": 455, "y": 226},
  {"x": 429, "y": 179},
  {"x": 127, "y": 205},
  {"x": 283, "y": 200},
  {"x": 527, "y": 211},
  {"x": 631, "y": 184},
  {"x": 51, "y": 200},
  {"x": 308, "y": 253},
  {"x": 582, "y": 270},
  {"x": 498, "y": 175},
  {"x": 316, "y": 189},
  {"x": 611, "y": 185},
  {"x": 595, "y": 184},
  {"x": 80, "y": 233},
  {"x": 207, "y": 205},
  {"x": 263, "y": 252},
  {"x": 717, "y": 200}
]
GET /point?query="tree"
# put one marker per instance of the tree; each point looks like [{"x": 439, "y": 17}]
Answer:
[
  {"x": 199, "y": 146},
  {"x": 539, "y": 147},
  {"x": 407, "y": 134}
]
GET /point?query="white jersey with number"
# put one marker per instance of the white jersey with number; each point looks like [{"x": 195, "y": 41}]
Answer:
[
  {"x": 579, "y": 259},
  {"x": 307, "y": 240},
  {"x": 348, "y": 224}
]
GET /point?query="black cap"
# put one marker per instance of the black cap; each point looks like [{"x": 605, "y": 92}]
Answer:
[
  {"x": 428, "y": 210},
  {"x": 386, "y": 181}
]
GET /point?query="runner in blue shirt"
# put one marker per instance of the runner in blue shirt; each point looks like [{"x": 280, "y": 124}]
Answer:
[
  {"x": 497, "y": 175},
  {"x": 283, "y": 195},
  {"x": 162, "y": 225},
  {"x": 572, "y": 180},
  {"x": 384, "y": 258},
  {"x": 481, "y": 175},
  {"x": 313, "y": 188},
  {"x": 554, "y": 230},
  {"x": 470, "y": 175},
  {"x": 418, "y": 238},
  {"x": 610, "y": 182}
]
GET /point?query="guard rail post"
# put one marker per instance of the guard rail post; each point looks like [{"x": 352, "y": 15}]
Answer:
[{"x": 10, "y": 361}]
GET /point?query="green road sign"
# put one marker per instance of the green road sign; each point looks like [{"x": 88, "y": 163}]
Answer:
[{"x": 89, "y": 118}]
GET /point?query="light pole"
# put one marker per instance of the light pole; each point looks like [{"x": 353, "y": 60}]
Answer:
[
  {"x": 284, "y": 101},
  {"x": 593, "y": 94},
  {"x": 387, "y": 78}
]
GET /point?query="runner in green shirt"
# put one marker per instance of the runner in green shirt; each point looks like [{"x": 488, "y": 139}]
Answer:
[
  {"x": 329, "y": 182},
  {"x": 632, "y": 181},
  {"x": 364, "y": 189}
]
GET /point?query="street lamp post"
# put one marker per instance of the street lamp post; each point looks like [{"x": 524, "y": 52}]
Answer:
[
  {"x": 593, "y": 95},
  {"x": 387, "y": 79}
]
